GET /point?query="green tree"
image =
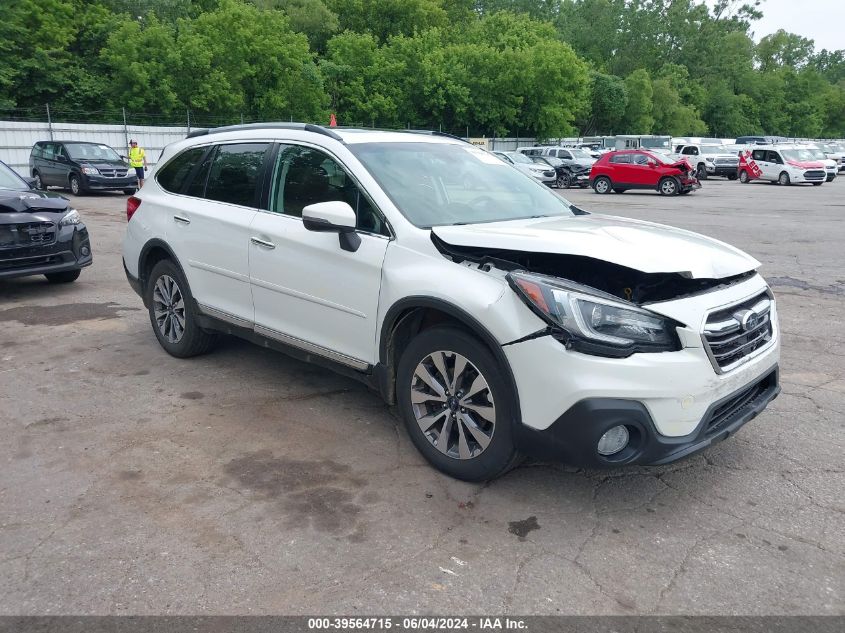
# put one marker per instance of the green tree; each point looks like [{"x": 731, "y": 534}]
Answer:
[
  {"x": 784, "y": 49},
  {"x": 638, "y": 118},
  {"x": 383, "y": 18},
  {"x": 606, "y": 108}
]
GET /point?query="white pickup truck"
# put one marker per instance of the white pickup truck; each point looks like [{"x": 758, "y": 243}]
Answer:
[{"x": 709, "y": 160}]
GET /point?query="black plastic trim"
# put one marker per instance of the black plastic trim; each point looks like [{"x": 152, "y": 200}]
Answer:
[{"x": 573, "y": 437}]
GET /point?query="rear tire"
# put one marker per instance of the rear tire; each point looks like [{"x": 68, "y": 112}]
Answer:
[
  {"x": 64, "y": 277},
  {"x": 731, "y": 176},
  {"x": 602, "y": 185},
  {"x": 173, "y": 313},
  {"x": 467, "y": 432},
  {"x": 744, "y": 178}
]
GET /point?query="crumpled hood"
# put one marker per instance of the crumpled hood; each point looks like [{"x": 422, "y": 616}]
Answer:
[
  {"x": 12, "y": 201},
  {"x": 643, "y": 246}
]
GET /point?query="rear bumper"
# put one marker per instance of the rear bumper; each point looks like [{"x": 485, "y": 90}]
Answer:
[
  {"x": 574, "y": 436},
  {"x": 134, "y": 282}
]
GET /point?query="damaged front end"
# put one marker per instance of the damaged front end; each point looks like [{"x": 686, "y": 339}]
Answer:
[{"x": 589, "y": 305}]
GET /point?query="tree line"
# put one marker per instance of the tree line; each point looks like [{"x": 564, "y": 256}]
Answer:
[{"x": 548, "y": 68}]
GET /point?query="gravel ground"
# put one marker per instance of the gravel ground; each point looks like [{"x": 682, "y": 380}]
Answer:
[{"x": 247, "y": 482}]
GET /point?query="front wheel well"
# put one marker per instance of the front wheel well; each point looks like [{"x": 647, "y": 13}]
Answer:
[{"x": 407, "y": 319}]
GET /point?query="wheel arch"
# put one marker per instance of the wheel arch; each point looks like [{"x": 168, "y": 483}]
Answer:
[
  {"x": 154, "y": 251},
  {"x": 411, "y": 315}
]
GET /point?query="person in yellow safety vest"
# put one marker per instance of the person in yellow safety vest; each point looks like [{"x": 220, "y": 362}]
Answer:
[{"x": 138, "y": 160}]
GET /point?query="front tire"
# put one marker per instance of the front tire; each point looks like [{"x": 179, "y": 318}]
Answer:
[
  {"x": 39, "y": 184},
  {"x": 783, "y": 179},
  {"x": 701, "y": 172},
  {"x": 668, "y": 187},
  {"x": 173, "y": 313},
  {"x": 75, "y": 185},
  {"x": 64, "y": 277},
  {"x": 457, "y": 404},
  {"x": 731, "y": 176},
  {"x": 564, "y": 181},
  {"x": 602, "y": 185}
]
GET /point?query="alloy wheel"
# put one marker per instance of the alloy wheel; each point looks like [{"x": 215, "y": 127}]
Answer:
[
  {"x": 453, "y": 404},
  {"x": 169, "y": 308},
  {"x": 38, "y": 184},
  {"x": 74, "y": 186},
  {"x": 668, "y": 187},
  {"x": 602, "y": 186}
]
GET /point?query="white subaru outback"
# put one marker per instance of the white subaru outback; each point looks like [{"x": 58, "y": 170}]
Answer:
[{"x": 499, "y": 318}]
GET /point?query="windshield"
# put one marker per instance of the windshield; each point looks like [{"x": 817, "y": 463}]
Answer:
[
  {"x": 797, "y": 154},
  {"x": 551, "y": 160},
  {"x": 90, "y": 151},
  {"x": 517, "y": 157},
  {"x": 438, "y": 184},
  {"x": 10, "y": 180},
  {"x": 714, "y": 149},
  {"x": 816, "y": 153}
]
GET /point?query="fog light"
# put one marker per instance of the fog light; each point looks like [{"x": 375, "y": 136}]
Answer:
[
  {"x": 85, "y": 251},
  {"x": 613, "y": 441}
]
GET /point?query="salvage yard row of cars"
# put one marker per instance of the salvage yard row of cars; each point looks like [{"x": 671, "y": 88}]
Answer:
[
  {"x": 502, "y": 320},
  {"x": 680, "y": 171}
]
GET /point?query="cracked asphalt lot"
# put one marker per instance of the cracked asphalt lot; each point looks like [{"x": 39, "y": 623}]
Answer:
[{"x": 247, "y": 482}]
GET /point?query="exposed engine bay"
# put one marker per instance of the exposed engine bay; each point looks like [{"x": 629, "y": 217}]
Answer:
[{"x": 620, "y": 281}]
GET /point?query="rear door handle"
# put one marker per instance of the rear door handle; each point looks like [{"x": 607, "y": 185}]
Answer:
[
  {"x": 264, "y": 243},
  {"x": 181, "y": 220}
]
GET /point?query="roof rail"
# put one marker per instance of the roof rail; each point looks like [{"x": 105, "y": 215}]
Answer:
[
  {"x": 307, "y": 127},
  {"x": 436, "y": 133}
]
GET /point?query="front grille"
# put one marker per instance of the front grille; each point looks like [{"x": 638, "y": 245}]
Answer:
[
  {"x": 735, "y": 406},
  {"x": 113, "y": 173},
  {"x": 28, "y": 234},
  {"x": 732, "y": 335},
  {"x": 727, "y": 162},
  {"x": 814, "y": 174}
]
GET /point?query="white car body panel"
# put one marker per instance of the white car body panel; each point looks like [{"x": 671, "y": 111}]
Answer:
[{"x": 644, "y": 246}]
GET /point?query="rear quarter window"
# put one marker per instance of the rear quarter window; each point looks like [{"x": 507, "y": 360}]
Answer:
[{"x": 173, "y": 176}]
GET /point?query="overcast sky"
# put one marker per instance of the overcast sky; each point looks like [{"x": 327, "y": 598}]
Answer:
[{"x": 819, "y": 20}]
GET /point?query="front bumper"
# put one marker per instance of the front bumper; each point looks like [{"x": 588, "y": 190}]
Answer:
[
  {"x": 721, "y": 170},
  {"x": 71, "y": 251},
  {"x": 103, "y": 183},
  {"x": 573, "y": 437}
]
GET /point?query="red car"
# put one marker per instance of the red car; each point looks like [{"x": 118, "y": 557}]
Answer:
[{"x": 641, "y": 169}]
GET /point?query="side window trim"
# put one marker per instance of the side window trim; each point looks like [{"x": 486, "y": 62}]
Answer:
[{"x": 281, "y": 144}]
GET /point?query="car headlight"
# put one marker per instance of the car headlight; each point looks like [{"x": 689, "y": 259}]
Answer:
[
  {"x": 90, "y": 171},
  {"x": 588, "y": 321},
  {"x": 709, "y": 159},
  {"x": 70, "y": 218}
]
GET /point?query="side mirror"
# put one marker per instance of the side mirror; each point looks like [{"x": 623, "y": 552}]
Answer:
[
  {"x": 61, "y": 158},
  {"x": 652, "y": 163},
  {"x": 333, "y": 217}
]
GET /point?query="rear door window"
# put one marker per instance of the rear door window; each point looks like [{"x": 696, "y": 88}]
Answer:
[
  {"x": 621, "y": 158},
  {"x": 172, "y": 177},
  {"x": 639, "y": 159},
  {"x": 235, "y": 171}
]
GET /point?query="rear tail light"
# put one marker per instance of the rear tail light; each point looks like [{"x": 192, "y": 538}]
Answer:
[{"x": 132, "y": 205}]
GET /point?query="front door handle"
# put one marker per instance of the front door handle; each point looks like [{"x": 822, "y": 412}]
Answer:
[
  {"x": 181, "y": 220},
  {"x": 264, "y": 243}
]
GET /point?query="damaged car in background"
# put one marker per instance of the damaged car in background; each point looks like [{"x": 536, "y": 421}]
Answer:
[
  {"x": 502, "y": 320},
  {"x": 40, "y": 233}
]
